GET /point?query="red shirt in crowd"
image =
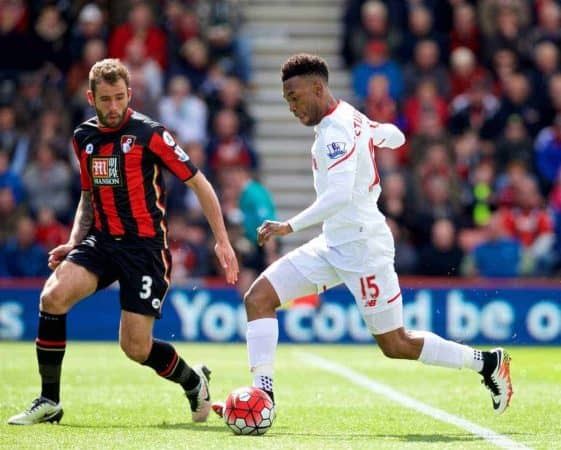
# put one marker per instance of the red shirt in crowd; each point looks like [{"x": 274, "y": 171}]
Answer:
[
  {"x": 526, "y": 225},
  {"x": 154, "y": 41}
]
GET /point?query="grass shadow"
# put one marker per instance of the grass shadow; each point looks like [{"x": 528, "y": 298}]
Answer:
[
  {"x": 162, "y": 426},
  {"x": 284, "y": 432},
  {"x": 411, "y": 437}
]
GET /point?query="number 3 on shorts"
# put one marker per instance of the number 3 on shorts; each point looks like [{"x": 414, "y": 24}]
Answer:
[{"x": 146, "y": 290}]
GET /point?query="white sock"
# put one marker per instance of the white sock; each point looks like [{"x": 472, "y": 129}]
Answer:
[
  {"x": 262, "y": 338},
  {"x": 440, "y": 352}
]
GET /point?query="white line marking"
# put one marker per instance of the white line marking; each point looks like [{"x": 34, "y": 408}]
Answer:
[{"x": 354, "y": 377}]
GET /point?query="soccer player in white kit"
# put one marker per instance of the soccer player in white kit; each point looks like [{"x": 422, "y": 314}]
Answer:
[{"x": 355, "y": 247}]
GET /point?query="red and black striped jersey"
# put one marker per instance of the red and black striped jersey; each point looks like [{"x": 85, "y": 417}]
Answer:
[{"x": 122, "y": 168}]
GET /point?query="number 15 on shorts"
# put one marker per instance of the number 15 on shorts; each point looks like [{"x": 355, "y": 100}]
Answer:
[{"x": 369, "y": 290}]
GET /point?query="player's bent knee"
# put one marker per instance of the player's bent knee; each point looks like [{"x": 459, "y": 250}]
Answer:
[
  {"x": 251, "y": 299},
  {"x": 136, "y": 351},
  {"x": 257, "y": 301},
  {"x": 53, "y": 301}
]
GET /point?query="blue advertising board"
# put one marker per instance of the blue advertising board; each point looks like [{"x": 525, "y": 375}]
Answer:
[{"x": 507, "y": 315}]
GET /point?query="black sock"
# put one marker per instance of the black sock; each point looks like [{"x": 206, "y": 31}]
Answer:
[
  {"x": 266, "y": 383},
  {"x": 489, "y": 363},
  {"x": 169, "y": 365},
  {"x": 270, "y": 394},
  {"x": 50, "y": 345}
]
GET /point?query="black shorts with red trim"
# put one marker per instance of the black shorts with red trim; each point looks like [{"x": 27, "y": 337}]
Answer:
[{"x": 143, "y": 273}]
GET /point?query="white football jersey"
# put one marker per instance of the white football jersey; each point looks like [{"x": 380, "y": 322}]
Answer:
[{"x": 345, "y": 145}]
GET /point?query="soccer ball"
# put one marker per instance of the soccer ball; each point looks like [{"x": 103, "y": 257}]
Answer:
[{"x": 249, "y": 410}]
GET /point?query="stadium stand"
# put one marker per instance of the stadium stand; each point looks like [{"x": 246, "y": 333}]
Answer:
[{"x": 479, "y": 100}]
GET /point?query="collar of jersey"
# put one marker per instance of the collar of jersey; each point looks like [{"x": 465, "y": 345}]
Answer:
[
  {"x": 123, "y": 123},
  {"x": 330, "y": 111}
]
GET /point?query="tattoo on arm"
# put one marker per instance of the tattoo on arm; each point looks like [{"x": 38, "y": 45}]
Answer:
[{"x": 83, "y": 219}]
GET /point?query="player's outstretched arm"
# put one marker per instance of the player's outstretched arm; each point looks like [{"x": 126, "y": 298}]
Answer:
[
  {"x": 83, "y": 220},
  {"x": 387, "y": 135},
  {"x": 213, "y": 212}
]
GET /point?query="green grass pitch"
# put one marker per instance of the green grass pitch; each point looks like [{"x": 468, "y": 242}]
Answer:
[{"x": 110, "y": 402}]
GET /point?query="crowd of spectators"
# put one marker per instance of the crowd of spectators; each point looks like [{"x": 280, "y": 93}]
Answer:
[
  {"x": 190, "y": 68},
  {"x": 476, "y": 87}
]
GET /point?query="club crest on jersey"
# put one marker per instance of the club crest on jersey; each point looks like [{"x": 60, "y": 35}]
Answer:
[
  {"x": 168, "y": 138},
  {"x": 127, "y": 142},
  {"x": 89, "y": 148},
  {"x": 336, "y": 150},
  {"x": 105, "y": 171}
]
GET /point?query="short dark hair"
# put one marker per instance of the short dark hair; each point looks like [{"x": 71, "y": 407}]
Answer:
[
  {"x": 304, "y": 64},
  {"x": 109, "y": 70}
]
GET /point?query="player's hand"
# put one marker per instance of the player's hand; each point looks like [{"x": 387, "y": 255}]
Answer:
[
  {"x": 228, "y": 261},
  {"x": 57, "y": 255},
  {"x": 271, "y": 228}
]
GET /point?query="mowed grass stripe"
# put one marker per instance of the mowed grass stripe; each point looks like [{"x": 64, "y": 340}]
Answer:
[{"x": 354, "y": 377}]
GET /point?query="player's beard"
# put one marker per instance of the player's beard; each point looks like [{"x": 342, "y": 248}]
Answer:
[
  {"x": 307, "y": 120},
  {"x": 313, "y": 116},
  {"x": 113, "y": 122}
]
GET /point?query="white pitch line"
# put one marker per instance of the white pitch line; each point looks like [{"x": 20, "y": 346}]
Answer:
[{"x": 354, "y": 377}]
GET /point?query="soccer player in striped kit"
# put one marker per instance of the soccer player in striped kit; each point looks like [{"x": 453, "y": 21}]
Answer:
[{"x": 120, "y": 234}]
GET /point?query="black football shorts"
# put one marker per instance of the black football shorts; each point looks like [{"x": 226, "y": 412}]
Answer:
[{"x": 143, "y": 273}]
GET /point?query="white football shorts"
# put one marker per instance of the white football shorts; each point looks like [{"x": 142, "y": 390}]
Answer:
[{"x": 366, "y": 267}]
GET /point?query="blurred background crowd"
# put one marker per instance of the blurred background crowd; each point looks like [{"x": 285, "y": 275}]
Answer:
[
  {"x": 189, "y": 70},
  {"x": 475, "y": 85}
]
